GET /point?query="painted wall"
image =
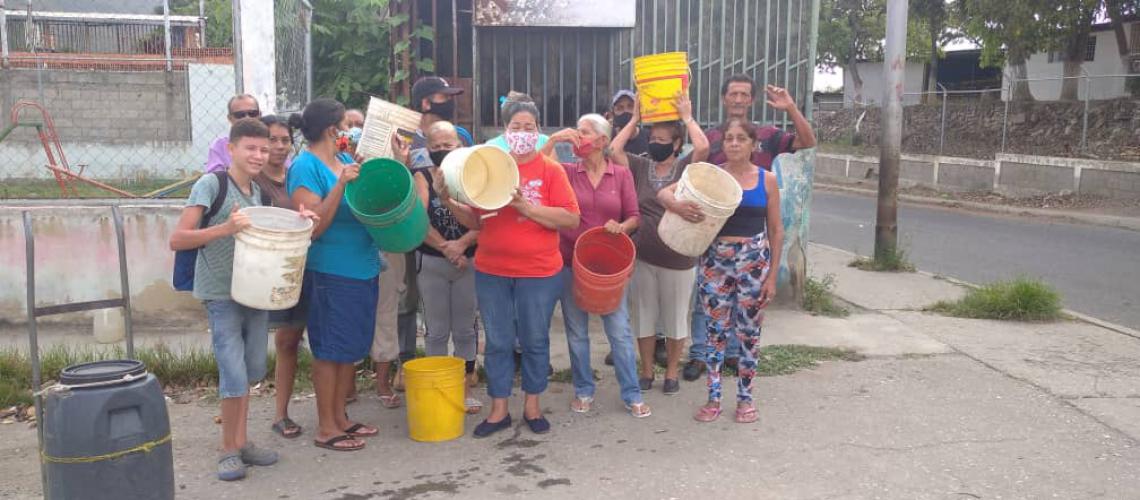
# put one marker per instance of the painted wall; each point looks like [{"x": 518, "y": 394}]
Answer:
[
  {"x": 77, "y": 259},
  {"x": 1106, "y": 61},
  {"x": 873, "y": 87}
]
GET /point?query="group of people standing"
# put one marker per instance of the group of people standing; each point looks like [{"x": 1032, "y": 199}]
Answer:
[{"x": 513, "y": 265}]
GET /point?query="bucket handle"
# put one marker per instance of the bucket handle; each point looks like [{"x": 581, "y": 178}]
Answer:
[{"x": 462, "y": 409}]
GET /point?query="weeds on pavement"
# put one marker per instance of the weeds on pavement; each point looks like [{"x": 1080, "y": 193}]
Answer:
[
  {"x": 1021, "y": 299},
  {"x": 818, "y": 299},
  {"x": 893, "y": 261}
]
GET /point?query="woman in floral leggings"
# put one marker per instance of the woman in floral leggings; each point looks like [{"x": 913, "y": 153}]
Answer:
[{"x": 735, "y": 284}]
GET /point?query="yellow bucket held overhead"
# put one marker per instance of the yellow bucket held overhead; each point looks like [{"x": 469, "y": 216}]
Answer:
[
  {"x": 659, "y": 77},
  {"x": 434, "y": 387}
]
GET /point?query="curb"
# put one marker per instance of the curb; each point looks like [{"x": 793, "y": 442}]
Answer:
[
  {"x": 1111, "y": 221},
  {"x": 1084, "y": 318}
]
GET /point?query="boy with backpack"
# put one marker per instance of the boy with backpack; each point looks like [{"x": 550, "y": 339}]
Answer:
[{"x": 240, "y": 335}]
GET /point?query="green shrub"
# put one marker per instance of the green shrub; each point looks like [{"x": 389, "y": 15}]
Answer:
[
  {"x": 1021, "y": 299},
  {"x": 818, "y": 299}
]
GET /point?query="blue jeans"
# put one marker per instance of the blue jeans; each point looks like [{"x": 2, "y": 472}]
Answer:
[
  {"x": 699, "y": 328},
  {"x": 619, "y": 334},
  {"x": 516, "y": 309},
  {"x": 240, "y": 337}
]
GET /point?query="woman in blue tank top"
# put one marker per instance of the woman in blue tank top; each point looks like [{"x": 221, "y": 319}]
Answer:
[{"x": 737, "y": 278}]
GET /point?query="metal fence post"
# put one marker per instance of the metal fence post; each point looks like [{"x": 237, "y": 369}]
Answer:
[
  {"x": 203, "y": 42},
  {"x": 1085, "y": 118},
  {"x": 239, "y": 82},
  {"x": 942, "y": 128},
  {"x": 3, "y": 35},
  {"x": 166, "y": 32},
  {"x": 308, "y": 9},
  {"x": 1005, "y": 112}
]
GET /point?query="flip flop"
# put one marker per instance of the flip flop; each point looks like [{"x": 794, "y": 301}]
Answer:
[
  {"x": 707, "y": 414},
  {"x": 746, "y": 415},
  {"x": 362, "y": 430},
  {"x": 330, "y": 444},
  {"x": 391, "y": 401},
  {"x": 639, "y": 410},
  {"x": 287, "y": 428}
]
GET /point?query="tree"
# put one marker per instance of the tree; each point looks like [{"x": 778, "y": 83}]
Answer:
[
  {"x": 931, "y": 24},
  {"x": 853, "y": 32},
  {"x": 1008, "y": 31},
  {"x": 351, "y": 49},
  {"x": 1117, "y": 11},
  {"x": 1072, "y": 23},
  {"x": 219, "y": 19}
]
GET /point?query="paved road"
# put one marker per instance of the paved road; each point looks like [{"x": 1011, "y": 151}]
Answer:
[{"x": 1096, "y": 269}]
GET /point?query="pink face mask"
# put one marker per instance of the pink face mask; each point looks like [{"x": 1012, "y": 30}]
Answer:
[
  {"x": 522, "y": 143},
  {"x": 584, "y": 149}
]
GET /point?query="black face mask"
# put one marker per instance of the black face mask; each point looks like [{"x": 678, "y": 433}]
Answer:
[
  {"x": 620, "y": 121},
  {"x": 660, "y": 152},
  {"x": 445, "y": 110},
  {"x": 438, "y": 156}
]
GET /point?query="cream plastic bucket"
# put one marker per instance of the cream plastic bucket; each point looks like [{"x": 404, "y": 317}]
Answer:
[
  {"x": 718, "y": 194},
  {"x": 482, "y": 176},
  {"x": 269, "y": 258}
]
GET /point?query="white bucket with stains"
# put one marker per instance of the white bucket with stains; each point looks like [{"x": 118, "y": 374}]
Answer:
[
  {"x": 718, "y": 194},
  {"x": 269, "y": 258},
  {"x": 481, "y": 176}
]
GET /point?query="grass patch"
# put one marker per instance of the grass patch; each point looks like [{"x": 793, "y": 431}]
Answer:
[
  {"x": 790, "y": 358},
  {"x": 182, "y": 369},
  {"x": 893, "y": 261},
  {"x": 818, "y": 299},
  {"x": 566, "y": 376},
  {"x": 1021, "y": 299},
  {"x": 48, "y": 188}
]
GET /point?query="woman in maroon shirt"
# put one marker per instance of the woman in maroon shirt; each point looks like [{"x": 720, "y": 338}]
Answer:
[{"x": 607, "y": 198}]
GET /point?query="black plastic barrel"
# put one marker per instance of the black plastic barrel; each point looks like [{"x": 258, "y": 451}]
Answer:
[{"x": 108, "y": 435}]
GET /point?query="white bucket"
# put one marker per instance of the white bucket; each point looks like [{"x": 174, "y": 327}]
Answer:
[
  {"x": 269, "y": 258},
  {"x": 718, "y": 194},
  {"x": 481, "y": 176},
  {"x": 109, "y": 325}
]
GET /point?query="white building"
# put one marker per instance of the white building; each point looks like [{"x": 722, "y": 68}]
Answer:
[{"x": 1102, "y": 64}]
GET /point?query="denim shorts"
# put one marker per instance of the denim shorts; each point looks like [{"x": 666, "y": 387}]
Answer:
[
  {"x": 293, "y": 317},
  {"x": 240, "y": 337}
]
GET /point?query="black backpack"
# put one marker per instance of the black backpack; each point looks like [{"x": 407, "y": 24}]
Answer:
[{"x": 185, "y": 260}]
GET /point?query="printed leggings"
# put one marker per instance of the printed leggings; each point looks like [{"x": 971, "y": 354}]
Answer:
[{"x": 731, "y": 277}]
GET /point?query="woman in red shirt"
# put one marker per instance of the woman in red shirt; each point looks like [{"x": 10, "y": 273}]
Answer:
[{"x": 517, "y": 270}]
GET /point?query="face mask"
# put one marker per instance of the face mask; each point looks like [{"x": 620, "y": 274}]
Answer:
[
  {"x": 445, "y": 110},
  {"x": 438, "y": 156},
  {"x": 660, "y": 152},
  {"x": 342, "y": 139},
  {"x": 620, "y": 121},
  {"x": 521, "y": 143},
  {"x": 584, "y": 149},
  {"x": 354, "y": 134}
]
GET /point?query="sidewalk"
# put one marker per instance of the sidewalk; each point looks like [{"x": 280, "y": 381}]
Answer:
[{"x": 941, "y": 408}]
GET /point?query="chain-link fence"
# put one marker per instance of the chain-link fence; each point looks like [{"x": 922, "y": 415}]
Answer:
[
  {"x": 1098, "y": 116},
  {"x": 125, "y": 104}
]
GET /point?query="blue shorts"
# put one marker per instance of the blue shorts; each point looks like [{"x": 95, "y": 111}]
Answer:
[
  {"x": 341, "y": 316},
  {"x": 294, "y": 317},
  {"x": 240, "y": 337}
]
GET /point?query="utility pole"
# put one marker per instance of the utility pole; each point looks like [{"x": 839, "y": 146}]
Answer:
[{"x": 890, "y": 145}]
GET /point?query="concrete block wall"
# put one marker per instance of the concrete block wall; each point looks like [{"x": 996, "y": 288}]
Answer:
[{"x": 1012, "y": 174}]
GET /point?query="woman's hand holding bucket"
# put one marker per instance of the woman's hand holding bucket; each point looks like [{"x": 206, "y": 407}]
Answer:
[{"x": 348, "y": 173}]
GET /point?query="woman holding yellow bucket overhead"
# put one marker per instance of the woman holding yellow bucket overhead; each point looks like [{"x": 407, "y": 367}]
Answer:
[{"x": 518, "y": 264}]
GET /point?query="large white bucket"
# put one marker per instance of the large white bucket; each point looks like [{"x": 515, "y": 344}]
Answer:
[
  {"x": 481, "y": 176},
  {"x": 269, "y": 258},
  {"x": 718, "y": 194}
]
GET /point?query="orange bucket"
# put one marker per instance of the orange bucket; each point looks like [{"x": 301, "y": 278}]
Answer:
[{"x": 603, "y": 263}]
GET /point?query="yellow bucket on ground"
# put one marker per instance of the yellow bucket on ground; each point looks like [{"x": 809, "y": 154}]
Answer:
[
  {"x": 659, "y": 77},
  {"x": 435, "y": 390}
]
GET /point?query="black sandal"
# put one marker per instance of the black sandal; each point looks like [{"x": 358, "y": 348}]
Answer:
[
  {"x": 331, "y": 443},
  {"x": 287, "y": 428},
  {"x": 355, "y": 430}
]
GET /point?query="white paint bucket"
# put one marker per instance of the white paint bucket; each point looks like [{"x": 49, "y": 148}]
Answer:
[
  {"x": 482, "y": 176},
  {"x": 269, "y": 258},
  {"x": 718, "y": 194}
]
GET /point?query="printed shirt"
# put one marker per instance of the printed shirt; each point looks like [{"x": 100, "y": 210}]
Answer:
[
  {"x": 214, "y": 269},
  {"x": 514, "y": 246},
  {"x": 219, "y": 156},
  {"x": 345, "y": 248},
  {"x": 615, "y": 198},
  {"x": 771, "y": 142},
  {"x": 441, "y": 219}
]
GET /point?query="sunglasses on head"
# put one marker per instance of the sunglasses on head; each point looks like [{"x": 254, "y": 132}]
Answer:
[{"x": 253, "y": 113}]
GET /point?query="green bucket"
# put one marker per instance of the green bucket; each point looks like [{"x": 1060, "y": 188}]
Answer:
[{"x": 384, "y": 199}]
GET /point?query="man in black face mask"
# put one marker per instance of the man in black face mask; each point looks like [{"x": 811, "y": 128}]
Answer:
[
  {"x": 432, "y": 96},
  {"x": 621, "y": 113}
]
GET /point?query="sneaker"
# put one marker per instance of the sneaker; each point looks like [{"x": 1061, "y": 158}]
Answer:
[
  {"x": 230, "y": 466},
  {"x": 693, "y": 370},
  {"x": 660, "y": 353},
  {"x": 671, "y": 386},
  {"x": 252, "y": 455}
]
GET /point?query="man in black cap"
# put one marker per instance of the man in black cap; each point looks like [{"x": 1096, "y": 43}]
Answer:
[
  {"x": 621, "y": 112},
  {"x": 432, "y": 96}
]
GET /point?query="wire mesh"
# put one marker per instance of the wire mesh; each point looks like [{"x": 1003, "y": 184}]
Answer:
[{"x": 291, "y": 24}]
